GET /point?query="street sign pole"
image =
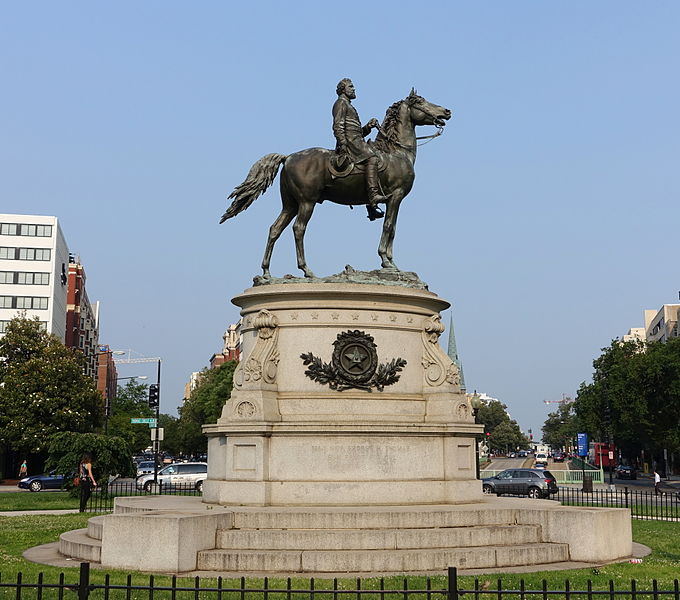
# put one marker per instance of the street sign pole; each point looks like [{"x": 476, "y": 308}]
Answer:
[{"x": 155, "y": 445}]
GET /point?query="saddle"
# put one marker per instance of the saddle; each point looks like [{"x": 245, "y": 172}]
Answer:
[{"x": 342, "y": 165}]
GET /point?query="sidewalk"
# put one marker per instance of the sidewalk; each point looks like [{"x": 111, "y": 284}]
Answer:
[{"x": 21, "y": 513}]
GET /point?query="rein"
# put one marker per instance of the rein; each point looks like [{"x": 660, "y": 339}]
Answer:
[{"x": 440, "y": 130}]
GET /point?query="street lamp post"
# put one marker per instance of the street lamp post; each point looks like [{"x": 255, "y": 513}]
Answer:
[
  {"x": 476, "y": 404},
  {"x": 157, "y": 386}
]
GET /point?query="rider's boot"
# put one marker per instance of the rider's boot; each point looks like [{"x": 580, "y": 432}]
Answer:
[{"x": 374, "y": 195}]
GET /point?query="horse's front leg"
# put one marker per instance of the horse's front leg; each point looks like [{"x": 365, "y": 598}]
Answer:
[
  {"x": 389, "y": 229},
  {"x": 305, "y": 210}
]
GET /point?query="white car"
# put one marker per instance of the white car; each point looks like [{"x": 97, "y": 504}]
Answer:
[
  {"x": 541, "y": 460},
  {"x": 177, "y": 475}
]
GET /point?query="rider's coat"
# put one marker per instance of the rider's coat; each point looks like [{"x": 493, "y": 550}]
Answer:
[{"x": 349, "y": 132}]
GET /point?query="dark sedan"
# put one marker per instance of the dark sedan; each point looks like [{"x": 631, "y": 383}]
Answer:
[
  {"x": 625, "y": 472},
  {"x": 46, "y": 481}
]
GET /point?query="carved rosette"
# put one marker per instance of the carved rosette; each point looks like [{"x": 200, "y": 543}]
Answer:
[
  {"x": 261, "y": 365},
  {"x": 438, "y": 368}
]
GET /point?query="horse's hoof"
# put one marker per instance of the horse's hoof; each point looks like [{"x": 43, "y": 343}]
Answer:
[{"x": 309, "y": 274}]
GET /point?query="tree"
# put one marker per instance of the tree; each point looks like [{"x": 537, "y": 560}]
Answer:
[
  {"x": 172, "y": 438},
  {"x": 131, "y": 401},
  {"x": 505, "y": 432},
  {"x": 204, "y": 405},
  {"x": 634, "y": 396},
  {"x": 43, "y": 388},
  {"x": 560, "y": 427},
  {"x": 110, "y": 454}
]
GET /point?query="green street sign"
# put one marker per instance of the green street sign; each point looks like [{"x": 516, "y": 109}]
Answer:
[{"x": 150, "y": 422}]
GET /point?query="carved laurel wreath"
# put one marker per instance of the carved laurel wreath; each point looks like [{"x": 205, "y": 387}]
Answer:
[{"x": 354, "y": 365}]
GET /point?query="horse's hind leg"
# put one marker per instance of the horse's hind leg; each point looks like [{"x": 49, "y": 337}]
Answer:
[
  {"x": 282, "y": 221},
  {"x": 305, "y": 211}
]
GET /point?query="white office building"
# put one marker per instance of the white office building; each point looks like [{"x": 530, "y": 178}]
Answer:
[{"x": 33, "y": 271}]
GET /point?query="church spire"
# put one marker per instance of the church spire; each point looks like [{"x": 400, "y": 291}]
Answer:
[{"x": 453, "y": 353}]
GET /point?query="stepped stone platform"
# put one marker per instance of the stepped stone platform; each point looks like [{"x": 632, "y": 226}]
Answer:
[{"x": 188, "y": 536}]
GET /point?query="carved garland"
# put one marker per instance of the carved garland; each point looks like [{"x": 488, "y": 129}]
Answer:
[{"x": 354, "y": 365}]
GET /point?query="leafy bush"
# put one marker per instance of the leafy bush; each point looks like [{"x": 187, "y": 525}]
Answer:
[{"x": 111, "y": 455}]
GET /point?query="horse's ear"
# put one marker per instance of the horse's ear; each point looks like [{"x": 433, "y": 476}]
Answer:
[{"x": 413, "y": 92}]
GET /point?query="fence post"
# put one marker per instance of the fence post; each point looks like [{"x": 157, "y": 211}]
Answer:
[
  {"x": 625, "y": 493},
  {"x": 453, "y": 583},
  {"x": 84, "y": 583}
]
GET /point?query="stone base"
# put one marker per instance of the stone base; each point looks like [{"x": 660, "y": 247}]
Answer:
[
  {"x": 494, "y": 535},
  {"x": 303, "y": 433}
]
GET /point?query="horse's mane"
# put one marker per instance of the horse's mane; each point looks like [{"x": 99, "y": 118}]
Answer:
[{"x": 384, "y": 139}]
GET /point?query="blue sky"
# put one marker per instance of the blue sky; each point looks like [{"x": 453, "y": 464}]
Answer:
[{"x": 546, "y": 214}]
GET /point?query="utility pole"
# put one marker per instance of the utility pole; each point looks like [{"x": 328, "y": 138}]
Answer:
[{"x": 154, "y": 400}]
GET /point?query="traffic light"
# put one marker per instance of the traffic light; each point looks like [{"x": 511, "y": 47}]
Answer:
[{"x": 153, "y": 395}]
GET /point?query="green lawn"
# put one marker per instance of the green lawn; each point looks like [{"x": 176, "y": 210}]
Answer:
[
  {"x": 37, "y": 500},
  {"x": 20, "y": 533}
]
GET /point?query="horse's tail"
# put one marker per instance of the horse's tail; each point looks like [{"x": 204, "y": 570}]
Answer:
[{"x": 260, "y": 177}]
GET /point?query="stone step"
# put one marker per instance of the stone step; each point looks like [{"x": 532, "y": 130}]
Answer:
[
  {"x": 373, "y": 517},
  {"x": 77, "y": 544},
  {"x": 377, "y": 539},
  {"x": 95, "y": 526},
  {"x": 381, "y": 561}
]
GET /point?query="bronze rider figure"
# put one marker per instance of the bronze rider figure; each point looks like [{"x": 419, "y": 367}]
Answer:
[{"x": 350, "y": 135}]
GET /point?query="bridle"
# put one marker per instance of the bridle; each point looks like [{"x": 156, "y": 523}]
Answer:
[{"x": 429, "y": 138}]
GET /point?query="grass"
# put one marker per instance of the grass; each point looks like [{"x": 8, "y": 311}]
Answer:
[
  {"x": 20, "y": 533},
  {"x": 37, "y": 501}
]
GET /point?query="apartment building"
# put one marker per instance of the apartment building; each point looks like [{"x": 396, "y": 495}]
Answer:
[
  {"x": 660, "y": 325},
  {"x": 33, "y": 271},
  {"x": 82, "y": 318}
]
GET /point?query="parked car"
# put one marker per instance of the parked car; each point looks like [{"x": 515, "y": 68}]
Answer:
[
  {"x": 625, "y": 472},
  {"x": 145, "y": 467},
  {"x": 183, "y": 475},
  {"x": 541, "y": 460},
  {"x": 535, "y": 483},
  {"x": 46, "y": 481}
]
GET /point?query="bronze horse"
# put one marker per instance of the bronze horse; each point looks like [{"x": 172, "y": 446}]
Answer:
[{"x": 306, "y": 179}]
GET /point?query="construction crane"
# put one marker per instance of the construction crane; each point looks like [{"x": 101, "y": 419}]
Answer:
[{"x": 564, "y": 399}]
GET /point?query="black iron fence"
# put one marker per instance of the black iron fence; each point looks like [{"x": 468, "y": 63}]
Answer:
[
  {"x": 102, "y": 498},
  {"x": 642, "y": 503},
  {"x": 392, "y": 588},
  {"x": 664, "y": 506}
]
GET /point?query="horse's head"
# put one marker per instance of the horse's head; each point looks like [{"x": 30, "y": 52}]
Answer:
[{"x": 426, "y": 113}]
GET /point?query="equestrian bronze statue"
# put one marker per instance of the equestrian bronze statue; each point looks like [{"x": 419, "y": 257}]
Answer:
[{"x": 314, "y": 175}]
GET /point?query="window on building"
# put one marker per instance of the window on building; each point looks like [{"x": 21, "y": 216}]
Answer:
[
  {"x": 26, "y": 229},
  {"x": 6, "y": 276},
  {"x": 9, "y": 228},
  {"x": 33, "y": 278},
  {"x": 28, "y": 302},
  {"x": 7, "y": 253},
  {"x": 35, "y": 253}
]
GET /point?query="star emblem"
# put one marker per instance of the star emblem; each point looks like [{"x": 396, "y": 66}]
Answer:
[{"x": 355, "y": 356}]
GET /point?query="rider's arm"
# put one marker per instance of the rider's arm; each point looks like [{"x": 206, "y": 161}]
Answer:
[
  {"x": 366, "y": 129},
  {"x": 339, "y": 123}
]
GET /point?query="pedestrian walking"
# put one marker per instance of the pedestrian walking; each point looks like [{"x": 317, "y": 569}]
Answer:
[
  {"x": 23, "y": 469},
  {"x": 657, "y": 483},
  {"x": 87, "y": 481}
]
